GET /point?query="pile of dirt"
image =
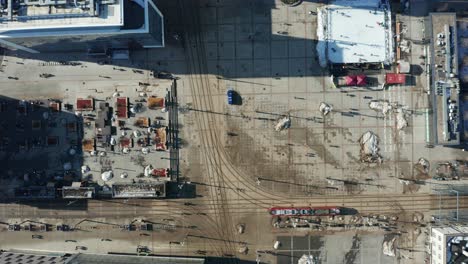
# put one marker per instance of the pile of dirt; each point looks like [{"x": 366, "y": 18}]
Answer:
[{"x": 423, "y": 165}]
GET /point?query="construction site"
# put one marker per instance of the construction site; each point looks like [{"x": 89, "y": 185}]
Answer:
[{"x": 114, "y": 145}]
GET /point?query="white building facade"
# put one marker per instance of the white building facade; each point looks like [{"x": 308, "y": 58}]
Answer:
[{"x": 448, "y": 243}]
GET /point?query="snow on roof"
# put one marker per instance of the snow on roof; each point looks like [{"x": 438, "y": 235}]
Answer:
[{"x": 355, "y": 31}]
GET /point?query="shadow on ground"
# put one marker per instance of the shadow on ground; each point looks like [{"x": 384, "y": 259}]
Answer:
[
  {"x": 40, "y": 149},
  {"x": 233, "y": 39}
]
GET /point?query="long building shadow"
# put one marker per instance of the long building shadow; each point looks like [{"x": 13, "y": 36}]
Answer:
[
  {"x": 208, "y": 259},
  {"x": 228, "y": 39},
  {"x": 40, "y": 152},
  {"x": 217, "y": 260}
]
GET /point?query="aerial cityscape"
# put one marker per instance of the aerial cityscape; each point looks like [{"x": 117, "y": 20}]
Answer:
[{"x": 233, "y": 131}]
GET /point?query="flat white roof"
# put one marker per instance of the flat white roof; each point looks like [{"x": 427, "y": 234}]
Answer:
[
  {"x": 39, "y": 18},
  {"x": 451, "y": 230},
  {"x": 356, "y": 31}
]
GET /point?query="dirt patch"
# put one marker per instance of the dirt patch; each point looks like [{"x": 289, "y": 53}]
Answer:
[
  {"x": 350, "y": 256},
  {"x": 351, "y": 157},
  {"x": 411, "y": 188},
  {"x": 353, "y": 187},
  {"x": 316, "y": 242},
  {"x": 257, "y": 163}
]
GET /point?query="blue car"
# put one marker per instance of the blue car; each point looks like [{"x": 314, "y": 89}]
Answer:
[{"x": 230, "y": 96}]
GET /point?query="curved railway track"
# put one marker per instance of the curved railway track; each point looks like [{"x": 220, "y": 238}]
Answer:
[{"x": 200, "y": 84}]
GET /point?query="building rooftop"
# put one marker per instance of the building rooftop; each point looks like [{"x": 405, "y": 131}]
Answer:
[
  {"x": 46, "y": 14},
  {"x": 32, "y": 258},
  {"x": 462, "y": 31},
  {"x": 354, "y": 31},
  {"x": 120, "y": 259},
  {"x": 140, "y": 190},
  {"x": 446, "y": 87},
  {"x": 78, "y": 192},
  {"x": 448, "y": 244},
  {"x": 7, "y": 257}
]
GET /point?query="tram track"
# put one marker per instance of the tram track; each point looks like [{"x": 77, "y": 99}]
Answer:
[
  {"x": 199, "y": 83},
  {"x": 208, "y": 207}
]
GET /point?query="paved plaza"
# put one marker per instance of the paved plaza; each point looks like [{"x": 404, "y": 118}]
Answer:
[{"x": 265, "y": 52}]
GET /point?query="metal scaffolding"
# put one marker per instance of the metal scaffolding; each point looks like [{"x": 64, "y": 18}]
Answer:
[{"x": 449, "y": 214}]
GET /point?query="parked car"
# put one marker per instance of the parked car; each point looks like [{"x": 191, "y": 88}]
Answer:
[
  {"x": 230, "y": 96},
  {"x": 14, "y": 227},
  {"x": 63, "y": 228},
  {"x": 163, "y": 75}
]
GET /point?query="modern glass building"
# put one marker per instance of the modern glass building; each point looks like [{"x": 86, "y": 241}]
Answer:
[{"x": 95, "y": 26}]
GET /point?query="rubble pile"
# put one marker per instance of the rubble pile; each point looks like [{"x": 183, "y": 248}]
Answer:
[
  {"x": 423, "y": 165},
  {"x": 382, "y": 106},
  {"x": 385, "y": 107},
  {"x": 325, "y": 108},
  {"x": 401, "y": 119},
  {"x": 283, "y": 123},
  {"x": 370, "y": 148},
  {"x": 306, "y": 259},
  {"x": 389, "y": 247}
]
